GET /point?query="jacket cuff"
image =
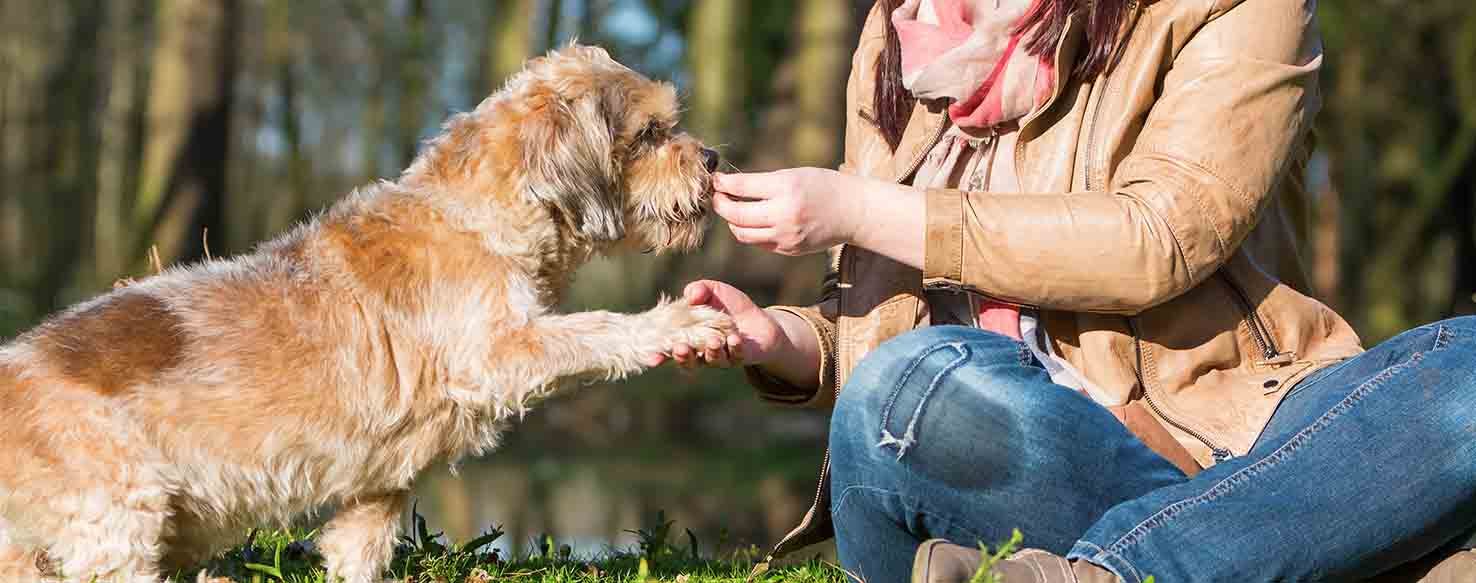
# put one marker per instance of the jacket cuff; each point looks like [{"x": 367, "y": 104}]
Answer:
[
  {"x": 943, "y": 251},
  {"x": 778, "y": 391}
]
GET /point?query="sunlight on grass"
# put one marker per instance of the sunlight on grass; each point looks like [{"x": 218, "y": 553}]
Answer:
[{"x": 289, "y": 556}]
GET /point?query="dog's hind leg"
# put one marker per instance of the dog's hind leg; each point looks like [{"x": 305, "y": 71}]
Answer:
[{"x": 358, "y": 543}]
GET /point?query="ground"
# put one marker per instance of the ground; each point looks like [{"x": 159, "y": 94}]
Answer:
[{"x": 287, "y": 556}]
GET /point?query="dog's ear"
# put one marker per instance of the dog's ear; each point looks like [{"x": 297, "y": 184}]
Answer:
[{"x": 568, "y": 151}]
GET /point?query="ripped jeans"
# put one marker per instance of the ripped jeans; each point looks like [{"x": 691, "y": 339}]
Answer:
[{"x": 958, "y": 433}]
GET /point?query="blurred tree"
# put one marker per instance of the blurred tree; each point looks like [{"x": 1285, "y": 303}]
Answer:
[
  {"x": 69, "y": 156},
  {"x": 413, "y": 68},
  {"x": 718, "y": 68},
  {"x": 284, "y": 59},
  {"x": 825, "y": 36},
  {"x": 126, "y": 40},
  {"x": 1400, "y": 132},
  {"x": 189, "y": 124},
  {"x": 509, "y": 43},
  {"x": 369, "y": 18}
]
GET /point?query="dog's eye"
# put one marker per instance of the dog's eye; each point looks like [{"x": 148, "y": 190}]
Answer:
[{"x": 652, "y": 132}]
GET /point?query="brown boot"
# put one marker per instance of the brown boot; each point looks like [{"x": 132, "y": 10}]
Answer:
[
  {"x": 1454, "y": 567},
  {"x": 939, "y": 561}
]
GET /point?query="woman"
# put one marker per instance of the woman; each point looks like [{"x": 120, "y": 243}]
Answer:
[{"x": 1090, "y": 193}]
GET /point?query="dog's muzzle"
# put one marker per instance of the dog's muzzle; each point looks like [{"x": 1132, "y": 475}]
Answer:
[{"x": 710, "y": 159}]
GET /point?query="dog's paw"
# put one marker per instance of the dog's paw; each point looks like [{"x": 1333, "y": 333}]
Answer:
[{"x": 696, "y": 326}]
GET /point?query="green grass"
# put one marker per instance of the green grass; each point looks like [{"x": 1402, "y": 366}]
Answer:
[
  {"x": 985, "y": 573},
  {"x": 287, "y": 556}
]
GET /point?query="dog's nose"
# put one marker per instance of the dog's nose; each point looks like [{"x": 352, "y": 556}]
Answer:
[{"x": 710, "y": 159}]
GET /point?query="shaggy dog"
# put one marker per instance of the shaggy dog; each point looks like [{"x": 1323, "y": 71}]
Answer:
[{"x": 408, "y": 325}]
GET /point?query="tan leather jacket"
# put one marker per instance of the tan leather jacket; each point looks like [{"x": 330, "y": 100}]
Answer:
[{"x": 1151, "y": 233}]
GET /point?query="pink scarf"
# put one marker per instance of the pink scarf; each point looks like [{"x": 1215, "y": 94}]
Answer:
[{"x": 967, "y": 51}]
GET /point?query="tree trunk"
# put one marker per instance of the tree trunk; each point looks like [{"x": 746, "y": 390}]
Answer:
[
  {"x": 1326, "y": 244},
  {"x": 70, "y": 158},
  {"x": 283, "y": 48},
  {"x": 189, "y": 128},
  {"x": 372, "y": 136},
  {"x": 7, "y": 174},
  {"x": 719, "y": 76},
  {"x": 509, "y": 43},
  {"x": 826, "y": 37},
  {"x": 414, "y": 76},
  {"x": 551, "y": 20},
  {"x": 117, "y": 170},
  {"x": 1462, "y": 213}
]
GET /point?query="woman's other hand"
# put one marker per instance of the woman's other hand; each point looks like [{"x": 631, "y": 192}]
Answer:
[
  {"x": 797, "y": 211},
  {"x": 808, "y": 210}
]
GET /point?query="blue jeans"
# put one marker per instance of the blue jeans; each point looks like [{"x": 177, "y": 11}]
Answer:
[{"x": 958, "y": 433}]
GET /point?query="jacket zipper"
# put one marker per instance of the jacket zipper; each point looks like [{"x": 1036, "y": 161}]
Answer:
[
  {"x": 1092, "y": 136},
  {"x": 1260, "y": 333},
  {"x": 1218, "y": 452},
  {"x": 1097, "y": 106}
]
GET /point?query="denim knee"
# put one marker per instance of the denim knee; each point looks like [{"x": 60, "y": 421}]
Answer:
[
  {"x": 876, "y": 377},
  {"x": 879, "y": 408}
]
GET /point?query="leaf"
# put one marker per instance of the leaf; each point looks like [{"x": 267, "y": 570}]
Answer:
[
  {"x": 266, "y": 569},
  {"x": 476, "y": 544},
  {"x": 985, "y": 573}
]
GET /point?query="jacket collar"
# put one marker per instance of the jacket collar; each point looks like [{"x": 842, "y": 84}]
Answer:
[{"x": 929, "y": 121}]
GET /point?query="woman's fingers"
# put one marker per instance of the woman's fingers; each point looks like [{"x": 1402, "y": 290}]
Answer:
[
  {"x": 683, "y": 354},
  {"x": 715, "y": 354},
  {"x": 747, "y": 213},
  {"x": 719, "y": 352},
  {"x": 763, "y": 236},
  {"x": 698, "y": 292},
  {"x": 751, "y": 185}
]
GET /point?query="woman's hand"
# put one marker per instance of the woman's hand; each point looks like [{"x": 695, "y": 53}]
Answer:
[
  {"x": 808, "y": 210},
  {"x": 791, "y": 212},
  {"x": 758, "y": 333}
]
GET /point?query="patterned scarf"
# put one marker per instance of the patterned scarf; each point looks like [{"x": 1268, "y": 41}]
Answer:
[{"x": 967, "y": 51}]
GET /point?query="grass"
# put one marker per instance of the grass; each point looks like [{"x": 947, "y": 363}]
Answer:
[
  {"x": 985, "y": 573},
  {"x": 288, "y": 556}
]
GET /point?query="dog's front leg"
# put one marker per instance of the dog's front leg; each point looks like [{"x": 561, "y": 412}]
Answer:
[
  {"x": 611, "y": 345},
  {"x": 359, "y": 542}
]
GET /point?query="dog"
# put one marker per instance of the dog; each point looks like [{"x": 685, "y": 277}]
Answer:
[{"x": 409, "y": 324}]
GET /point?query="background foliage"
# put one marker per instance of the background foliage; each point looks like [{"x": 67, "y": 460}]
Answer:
[{"x": 213, "y": 124}]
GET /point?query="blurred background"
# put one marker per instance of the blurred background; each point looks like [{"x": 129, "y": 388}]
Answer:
[{"x": 189, "y": 125}]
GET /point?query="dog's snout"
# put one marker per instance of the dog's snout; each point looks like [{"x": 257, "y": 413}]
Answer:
[{"x": 710, "y": 159}]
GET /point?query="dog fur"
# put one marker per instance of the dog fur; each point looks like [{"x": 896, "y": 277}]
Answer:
[{"x": 147, "y": 429}]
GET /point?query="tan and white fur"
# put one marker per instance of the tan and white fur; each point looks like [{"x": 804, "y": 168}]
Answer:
[{"x": 407, "y": 325}]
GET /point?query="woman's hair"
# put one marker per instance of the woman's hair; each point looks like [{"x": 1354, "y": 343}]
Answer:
[{"x": 1047, "y": 18}]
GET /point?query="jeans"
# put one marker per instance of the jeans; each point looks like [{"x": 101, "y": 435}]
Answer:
[{"x": 958, "y": 433}]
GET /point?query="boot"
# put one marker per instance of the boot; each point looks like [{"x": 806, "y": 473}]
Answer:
[{"x": 939, "y": 561}]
